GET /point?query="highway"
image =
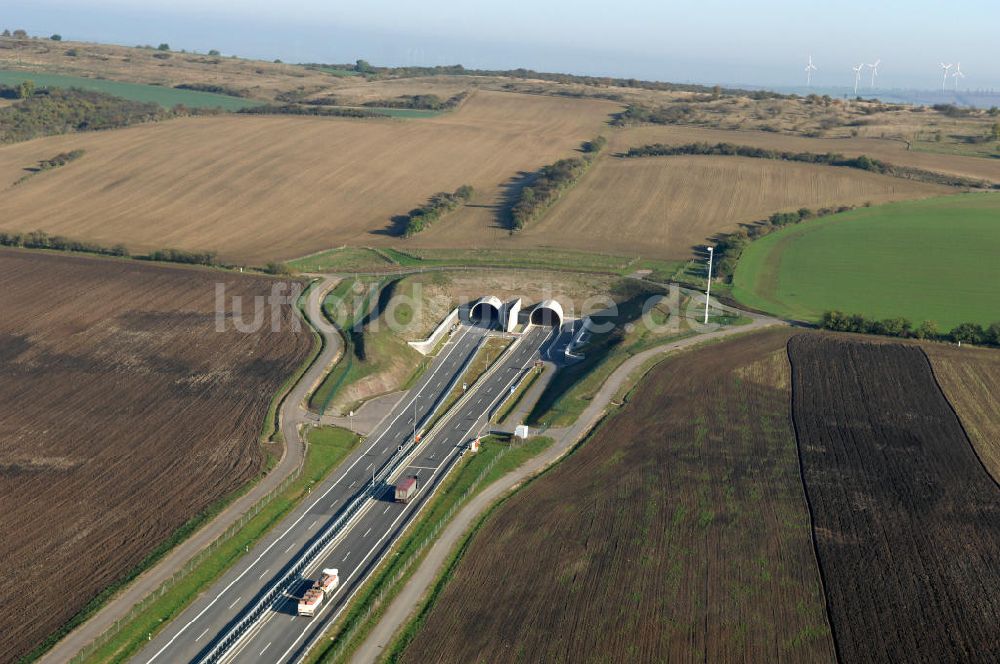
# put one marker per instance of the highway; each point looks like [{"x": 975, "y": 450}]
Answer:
[{"x": 282, "y": 635}]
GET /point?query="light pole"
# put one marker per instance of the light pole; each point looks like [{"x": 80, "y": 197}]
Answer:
[{"x": 708, "y": 287}]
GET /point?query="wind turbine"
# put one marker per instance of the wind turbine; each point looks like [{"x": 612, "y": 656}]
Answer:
[
  {"x": 874, "y": 71},
  {"x": 957, "y": 74},
  {"x": 857, "y": 76},
  {"x": 944, "y": 80},
  {"x": 810, "y": 68}
]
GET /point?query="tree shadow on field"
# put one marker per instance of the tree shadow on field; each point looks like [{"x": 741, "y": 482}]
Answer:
[
  {"x": 510, "y": 192},
  {"x": 395, "y": 228}
]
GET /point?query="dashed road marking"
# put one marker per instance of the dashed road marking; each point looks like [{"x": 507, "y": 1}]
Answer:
[{"x": 235, "y": 600}]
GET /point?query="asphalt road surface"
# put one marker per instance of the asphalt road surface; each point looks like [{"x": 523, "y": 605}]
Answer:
[{"x": 282, "y": 635}]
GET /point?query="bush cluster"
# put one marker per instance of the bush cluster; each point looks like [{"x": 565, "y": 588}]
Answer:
[
  {"x": 672, "y": 114},
  {"x": 862, "y": 162},
  {"x": 439, "y": 205},
  {"x": 58, "y": 111},
  {"x": 970, "y": 333},
  {"x": 323, "y": 111},
  {"x": 60, "y": 159},
  {"x": 427, "y": 102}
]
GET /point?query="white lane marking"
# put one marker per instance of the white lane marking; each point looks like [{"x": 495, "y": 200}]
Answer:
[
  {"x": 312, "y": 524},
  {"x": 366, "y": 532},
  {"x": 370, "y": 465},
  {"x": 262, "y": 574},
  {"x": 201, "y": 635},
  {"x": 265, "y": 648},
  {"x": 235, "y": 600},
  {"x": 347, "y": 556},
  {"x": 350, "y": 487},
  {"x": 289, "y": 547},
  {"x": 295, "y": 523},
  {"x": 386, "y": 509}
]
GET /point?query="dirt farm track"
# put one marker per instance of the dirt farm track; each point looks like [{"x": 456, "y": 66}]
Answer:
[{"x": 124, "y": 414}]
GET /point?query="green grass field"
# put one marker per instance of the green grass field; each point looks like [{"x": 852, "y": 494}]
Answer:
[
  {"x": 166, "y": 97},
  {"x": 934, "y": 259}
]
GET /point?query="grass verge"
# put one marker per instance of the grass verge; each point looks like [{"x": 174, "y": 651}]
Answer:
[
  {"x": 511, "y": 402},
  {"x": 328, "y": 446},
  {"x": 495, "y": 459},
  {"x": 366, "y": 259}
]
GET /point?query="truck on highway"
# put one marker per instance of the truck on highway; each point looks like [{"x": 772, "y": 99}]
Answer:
[
  {"x": 405, "y": 489},
  {"x": 320, "y": 590},
  {"x": 329, "y": 581},
  {"x": 310, "y": 602}
]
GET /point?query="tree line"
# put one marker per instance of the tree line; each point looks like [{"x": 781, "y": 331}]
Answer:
[
  {"x": 42, "y": 240},
  {"x": 970, "y": 333},
  {"x": 436, "y": 207},
  {"x": 214, "y": 89},
  {"x": 428, "y": 102},
  {"x": 314, "y": 110},
  {"x": 365, "y": 68},
  {"x": 550, "y": 182},
  {"x": 862, "y": 162}
]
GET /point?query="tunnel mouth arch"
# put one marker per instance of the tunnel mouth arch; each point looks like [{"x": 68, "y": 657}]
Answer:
[
  {"x": 547, "y": 314},
  {"x": 486, "y": 311}
]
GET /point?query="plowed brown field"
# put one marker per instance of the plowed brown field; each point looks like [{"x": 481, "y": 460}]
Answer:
[
  {"x": 123, "y": 414},
  {"x": 261, "y": 188},
  {"x": 970, "y": 378},
  {"x": 679, "y": 532},
  {"x": 906, "y": 518}
]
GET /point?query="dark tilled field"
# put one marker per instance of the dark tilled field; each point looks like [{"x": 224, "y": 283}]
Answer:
[
  {"x": 907, "y": 520},
  {"x": 679, "y": 532},
  {"x": 123, "y": 414}
]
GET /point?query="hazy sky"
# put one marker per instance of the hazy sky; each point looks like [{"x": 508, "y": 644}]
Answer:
[{"x": 708, "y": 41}]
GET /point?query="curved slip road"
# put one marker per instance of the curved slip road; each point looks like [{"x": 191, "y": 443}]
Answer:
[
  {"x": 412, "y": 594},
  {"x": 292, "y": 415}
]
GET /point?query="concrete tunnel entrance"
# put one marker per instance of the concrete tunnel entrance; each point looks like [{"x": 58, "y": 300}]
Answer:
[
  {"x": 486, "y": 311},
  {"x": 547, "y": 314}
]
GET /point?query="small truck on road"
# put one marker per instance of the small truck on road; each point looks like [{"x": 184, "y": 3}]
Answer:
[
  {"x": 405, "y": 489},
  {"x": 313, "y": 598}
]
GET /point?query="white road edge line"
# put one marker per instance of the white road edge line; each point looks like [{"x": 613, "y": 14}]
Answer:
[{"x": 296, "y": 522}]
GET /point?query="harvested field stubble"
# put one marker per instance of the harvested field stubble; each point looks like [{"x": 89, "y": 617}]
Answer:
[
  {"x": 665, "y": 206},
  {"x": 906, "y": 518},
  {"x": 970, "y": 379},
  {"x": 257, "y": 188},
  {"x": 678, "y": 532},
  {"x": 124, "y": 415}
]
